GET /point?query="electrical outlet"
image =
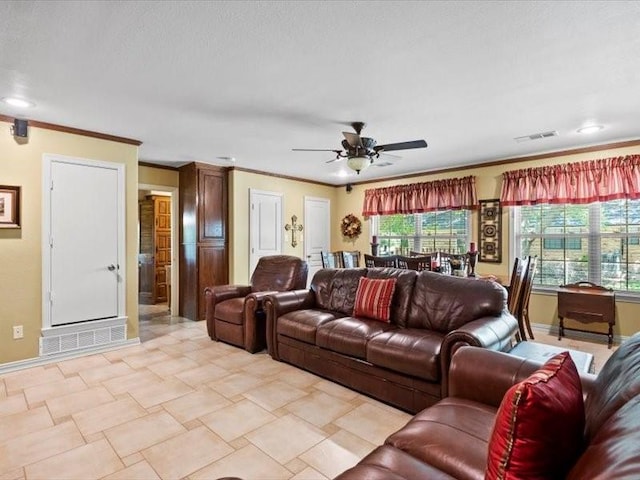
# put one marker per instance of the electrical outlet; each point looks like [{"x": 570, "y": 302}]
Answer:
[{"x": 18, "y": 332}]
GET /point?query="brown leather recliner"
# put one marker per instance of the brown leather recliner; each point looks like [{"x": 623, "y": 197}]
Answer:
[{"x": 234, "y": 312}]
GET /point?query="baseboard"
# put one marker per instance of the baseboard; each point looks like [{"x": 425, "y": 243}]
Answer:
[
  {"x": 578, "y": 335},
  {"x": 44, "y": 360}
]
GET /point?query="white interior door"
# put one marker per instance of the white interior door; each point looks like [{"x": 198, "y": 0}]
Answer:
[
  {"x": 265, "y": 225},
  {"x": 85, "y": 237},
  {"x": 317, "y": 231}
]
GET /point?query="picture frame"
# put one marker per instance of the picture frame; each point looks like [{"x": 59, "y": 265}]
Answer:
[
  {"x": 490, "y": 231},
  {"x": 9, "y": 206}
]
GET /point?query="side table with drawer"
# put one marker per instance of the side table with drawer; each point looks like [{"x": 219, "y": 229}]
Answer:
[{"x": 587, "y": 303}]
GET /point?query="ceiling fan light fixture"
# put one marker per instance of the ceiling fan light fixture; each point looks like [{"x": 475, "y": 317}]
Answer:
[{"x": 358, "y": 163}]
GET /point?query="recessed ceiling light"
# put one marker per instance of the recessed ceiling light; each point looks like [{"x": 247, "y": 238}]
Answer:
[
  {"x": 228, "y": 159},
  {"x": 18, "y": 102},
  {"x": 590, "y": 129}
]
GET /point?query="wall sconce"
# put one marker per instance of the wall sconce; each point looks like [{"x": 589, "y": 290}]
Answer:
[{"x": 294, "y": 227}]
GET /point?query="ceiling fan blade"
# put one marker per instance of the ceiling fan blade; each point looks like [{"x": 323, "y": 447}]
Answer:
[
  {"x": 389, "y": 155},
  {"x": 315, "y": 150},
  {"x": 353, "y": 139},
  {"x": 337, "y": 159},
  {"x": 401, "y": 146}
]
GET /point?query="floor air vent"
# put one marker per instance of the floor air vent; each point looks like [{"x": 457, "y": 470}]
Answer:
[{"x": 69, "y": 342}]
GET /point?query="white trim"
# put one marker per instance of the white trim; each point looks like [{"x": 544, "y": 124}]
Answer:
[
  {"x": 175, "y": 266},
  {"x": 47, "y": 161},
  {"x": 45, "y": 360},
  {"x": 577, "y": 335}
]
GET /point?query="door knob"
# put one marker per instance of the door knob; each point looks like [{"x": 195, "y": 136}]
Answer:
[{"x": 111, "y": 267}]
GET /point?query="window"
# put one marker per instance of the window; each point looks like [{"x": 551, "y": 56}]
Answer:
[
  {"x": 446, "y": 230},
  {"x": 597, "y": 242}
]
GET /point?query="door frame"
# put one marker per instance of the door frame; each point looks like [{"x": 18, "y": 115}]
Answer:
[
  {"x": 47, "y": 161},
  {"x": 175, "y": 291}
]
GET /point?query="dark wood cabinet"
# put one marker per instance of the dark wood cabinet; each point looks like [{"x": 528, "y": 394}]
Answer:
[{"x": 203, "y": 235}]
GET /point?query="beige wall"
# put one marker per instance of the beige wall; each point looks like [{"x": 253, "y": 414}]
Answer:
[
  {"x": 293, "y": 204},
  {"x": 20, "y": 250},
  {"x": 157, "y": 176},
  {"x": 488, "y": 183}
]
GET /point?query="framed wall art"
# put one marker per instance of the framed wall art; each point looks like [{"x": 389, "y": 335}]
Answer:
[
  {"x": 9, "y": 207},
  {"x": 490, "y": 231}
]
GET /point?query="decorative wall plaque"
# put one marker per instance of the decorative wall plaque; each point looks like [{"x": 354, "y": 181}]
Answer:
[{"x": 490, "y": 231}]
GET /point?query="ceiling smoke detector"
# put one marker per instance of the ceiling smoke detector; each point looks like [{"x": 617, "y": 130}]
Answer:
[{"x": 536, "y": 136}]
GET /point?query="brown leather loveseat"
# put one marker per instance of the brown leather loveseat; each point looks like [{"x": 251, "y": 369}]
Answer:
[
  {"x": 234, "y": 312},
  {"x": 450, "y": 439},
  {"x": 403, "y": 362}
]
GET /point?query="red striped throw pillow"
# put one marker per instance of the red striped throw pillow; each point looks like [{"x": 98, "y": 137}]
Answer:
[{"x": 373, "y": 298}]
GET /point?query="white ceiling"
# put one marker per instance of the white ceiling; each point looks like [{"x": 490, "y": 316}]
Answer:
[{"x": 196, "y": 81}]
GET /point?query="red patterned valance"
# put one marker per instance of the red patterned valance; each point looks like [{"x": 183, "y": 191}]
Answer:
[
  {"x": 579, "y": 183},
  {"x": 454, "y": 193}
]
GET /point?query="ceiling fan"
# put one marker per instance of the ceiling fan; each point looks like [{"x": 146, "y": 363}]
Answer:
[{"x": 360, "y": 152}]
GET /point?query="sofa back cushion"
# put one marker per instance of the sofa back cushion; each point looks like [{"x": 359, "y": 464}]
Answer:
[
  {"x": 617, "y": 382},
  {"x": 405, "y": 282},
  {"x": 613, "y": 452},
  {"x": 335, "y": 288},
  {"x": 444, "y": 303},
  {"x": 539, "y": 425},
  {"x": 279, "y": 273}
]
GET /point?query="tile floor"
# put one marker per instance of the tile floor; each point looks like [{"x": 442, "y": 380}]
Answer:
[{"x": 181, "y": 406}]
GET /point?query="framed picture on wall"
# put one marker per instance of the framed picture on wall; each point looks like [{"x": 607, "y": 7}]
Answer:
[
  {"x": 9, "y": 207},
  {"x": 490, "y": 231}
]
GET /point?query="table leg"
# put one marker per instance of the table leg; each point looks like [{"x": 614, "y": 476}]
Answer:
[{"x": 561, "y": 328}]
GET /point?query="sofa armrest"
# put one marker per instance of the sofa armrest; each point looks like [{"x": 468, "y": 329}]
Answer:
[
  {"x": 484, "y": 375},
  {"x": 254, "y": 319},
  {"x": 278, "y": 304},
  {"x": 493, "y": 333},
  {"x": 219, "y": 294}
]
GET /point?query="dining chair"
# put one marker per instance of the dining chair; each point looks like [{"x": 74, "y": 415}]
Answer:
[
  {"x": 414, "y": 263},
  {"x": 516, "y": 284},
  {"x": 523, "y": 314},
  {"x": 331, "y": 259},
  {"x": 388, "y": 261},
  {"x": 351, "y": 259}
]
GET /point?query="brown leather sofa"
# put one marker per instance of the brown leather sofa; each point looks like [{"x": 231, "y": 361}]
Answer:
[
  {"x": 234, "y": 312},
  {"x": 403, "y": 362},
  {"x": 450, "y": 439}
]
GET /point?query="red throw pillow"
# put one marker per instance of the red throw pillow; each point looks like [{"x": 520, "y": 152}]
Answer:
[
  {"x": 539, "y": 426},
  {"x": 373, "y": 298}
]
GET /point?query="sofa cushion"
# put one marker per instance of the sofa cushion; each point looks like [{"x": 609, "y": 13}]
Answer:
[
  {"x": 405, "y": 281},
  {"x": 335, "y": 289},
  {"x": 231, "y": 310},
  {"x": 451, "y": 435},
  {"x": 444, "y": 303},
  {"x": 538, "y": 418},
  {"x": 408, "y": 351},
  {"x": 349, "y": 335},
  {"x": 373, "y": 298},
  {"x": 618, "y": 381},
  {"x": 302, "y": 324},
  {"x": 616, "y": 441},
  {"x": 388, "y": 463}
]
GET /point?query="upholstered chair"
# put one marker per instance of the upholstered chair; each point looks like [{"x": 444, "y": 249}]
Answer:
[{"x": 234, "y": 312}]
